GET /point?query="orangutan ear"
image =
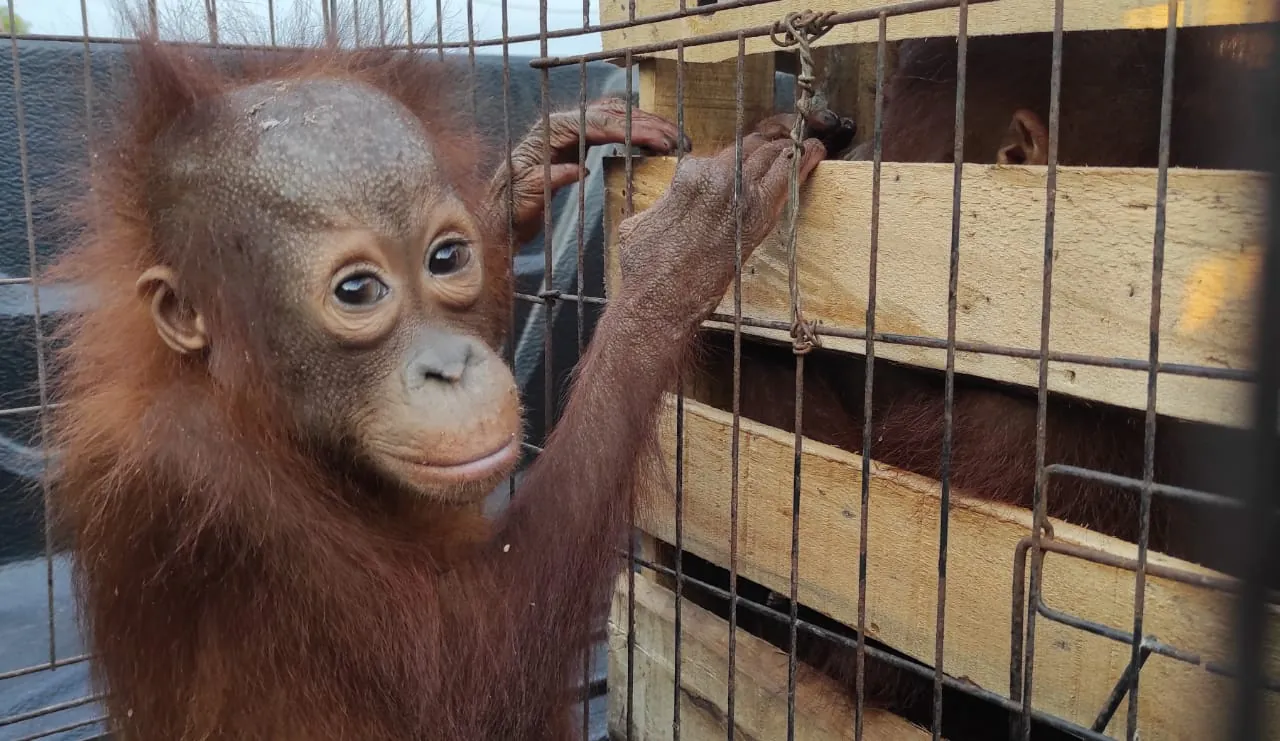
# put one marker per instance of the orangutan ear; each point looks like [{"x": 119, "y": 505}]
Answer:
[
  {"x": 1026, "y": 142},
  {"x": 178, "y": 323}
]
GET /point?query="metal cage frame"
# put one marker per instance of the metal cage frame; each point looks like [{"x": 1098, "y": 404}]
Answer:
[{"x": 1259, "y": 478}]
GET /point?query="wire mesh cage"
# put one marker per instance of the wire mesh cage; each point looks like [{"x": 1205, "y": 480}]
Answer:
[{"x": 980, "y": 442}]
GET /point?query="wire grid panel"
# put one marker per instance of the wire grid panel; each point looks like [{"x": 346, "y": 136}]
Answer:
[
  {"x": 46, "y": 688},
  {"x": 716, "y": 529},
  {"x": 550, "y": 296}
]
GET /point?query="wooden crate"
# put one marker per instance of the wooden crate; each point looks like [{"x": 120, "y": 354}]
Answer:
[
  {"x": 1105, "y": 222},
  {"x": 1074, "y": 670}
]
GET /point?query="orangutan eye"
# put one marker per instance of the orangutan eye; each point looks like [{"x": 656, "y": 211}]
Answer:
[
  {"x": 448, "y": 257},
  {"x": 361, "y": 289}
]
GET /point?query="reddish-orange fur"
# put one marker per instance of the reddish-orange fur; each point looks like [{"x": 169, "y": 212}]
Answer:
[{"x": 285, "y": 603}]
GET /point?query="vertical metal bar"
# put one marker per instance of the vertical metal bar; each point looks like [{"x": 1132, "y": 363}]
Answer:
[
  {"x": 962, "y": 58},
  {"x": 877, "y": 158},
  {"x": 793, "y": 617},
  {"x": 679, "y": 463},
  {"x": 271, "y": 19},
  {"x": 211, "y": 19},
  {"x": 548, "y": 264},
  {"x": 511, "y": 202},
  {"x": 440, "y": 27},
  {"x": 739, "y": 95},
  {"x": 581, "y": 306},
  {"x": 408, "y": 22},
  {"x": 355, "y": 22},
  {"x": 153, "y": 15},
  {"x": 586, "y": 14},
  {"x": 88, "y": 76},
  {"x": 88, "y": 138},
  {"x": 471, "y": 62},
  {"x": 1149, "y": 442},
  {"x": 582, "y": 201},
  {"x": 382, "y": 23},
  {"x": 41, "y": 373},
  {"x": 1018, "y": 670},
  {"x": 1259, "y": 537},
  {"x": 629, "y": 208},
  {"x": 798, "y": 437}
]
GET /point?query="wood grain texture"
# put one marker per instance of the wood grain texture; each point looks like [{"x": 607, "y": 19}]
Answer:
[
  {"x": 1101, "y": 301},
  {"x": 1003, "y": 17},
  {"x": 1074, "y": 671},
  {"x": 709, "y": 97},
  {"x": 760, "y": 710}
]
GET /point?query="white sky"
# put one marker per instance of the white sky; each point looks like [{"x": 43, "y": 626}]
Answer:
[{"x": 63, "y": 17}]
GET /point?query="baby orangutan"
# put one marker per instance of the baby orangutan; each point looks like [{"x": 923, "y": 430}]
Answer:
[{"x": 289, "y": 388}]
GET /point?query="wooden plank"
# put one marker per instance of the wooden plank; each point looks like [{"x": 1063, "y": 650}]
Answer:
[
  {"x": 1074, "y": 671},
  {"x": 760, "y": 711},
  {"x": 1101, "y": 282},
  {"x": 1001, "y": 17},
  {"x": 710, "y": 101}
]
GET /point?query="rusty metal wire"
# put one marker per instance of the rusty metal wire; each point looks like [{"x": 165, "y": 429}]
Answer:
[{"x": 800, "y": 30}]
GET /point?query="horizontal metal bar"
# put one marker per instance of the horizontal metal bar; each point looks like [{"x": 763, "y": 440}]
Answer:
[
  {"x": 977, "y": 348},
  {"x": 1206, "y": 581},
  {"x": 33, "y": 409},
  {"x": 64, "y": 729},
  {"x": 853, "y": 16},
  {"x": 986, "y": 348},
  {"x": 1132, "y": 484},
  {"x": 613, "y": 25},
  {"x": 47, "y": 710},
  {"x": 46, "y": 666},
  {"x": 558, "y": 33},
  {"x": 530, "y": 298},
  {"x": 1115, "y": 634},
  {"x": 1148, "y": 642}
]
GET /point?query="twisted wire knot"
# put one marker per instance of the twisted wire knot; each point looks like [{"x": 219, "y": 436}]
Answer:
[
  {"x": 800, "y": 29},
  {"x": 804, "y": 337}
]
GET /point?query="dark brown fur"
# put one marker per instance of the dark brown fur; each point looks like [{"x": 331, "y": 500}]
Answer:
[{"x": 1110, "y": 100}]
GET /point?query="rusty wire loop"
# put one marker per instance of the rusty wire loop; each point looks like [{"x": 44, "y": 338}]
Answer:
[{"x": 800, "y": 29}]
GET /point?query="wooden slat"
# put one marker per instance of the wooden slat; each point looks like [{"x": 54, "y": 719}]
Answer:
[
  {"x": 1000, "y": 17},
  {"x": 1074, "y": 671},
  {"x": 709, "y": 97},
  {"x": 760, "y": 710},
  {"x": 1101, "y": 283}
]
